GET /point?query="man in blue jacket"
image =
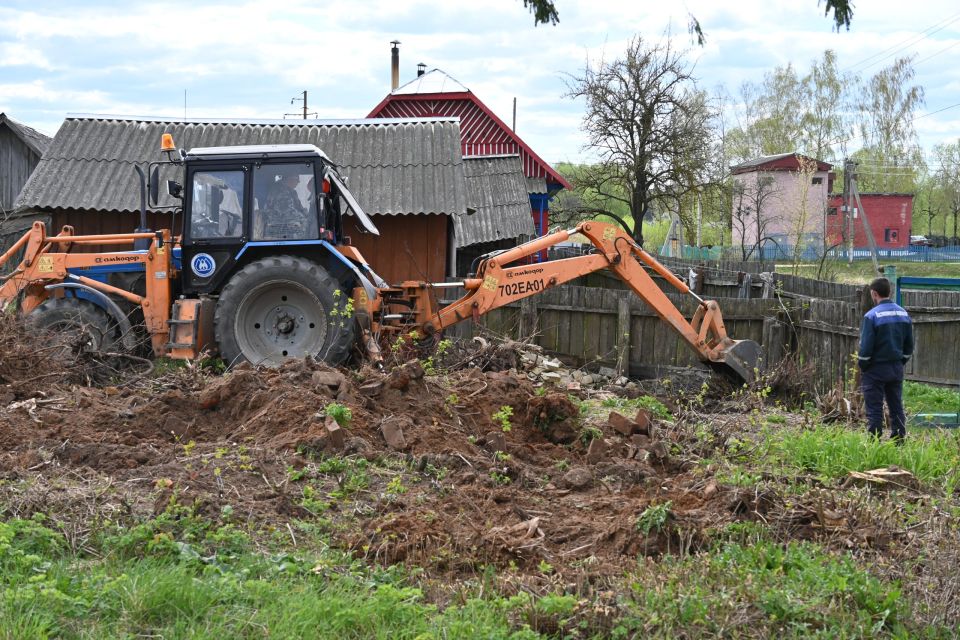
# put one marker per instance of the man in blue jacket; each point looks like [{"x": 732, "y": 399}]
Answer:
[{"x": 886, "y": 344}]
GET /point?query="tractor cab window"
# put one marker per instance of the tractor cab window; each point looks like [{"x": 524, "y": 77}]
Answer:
[
  {"x": 284, "y": 202},
  {"x": 217, "y": 205}
]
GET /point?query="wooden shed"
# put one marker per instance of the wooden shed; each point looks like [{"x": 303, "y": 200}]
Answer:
[{"x": 21, "y": 148}]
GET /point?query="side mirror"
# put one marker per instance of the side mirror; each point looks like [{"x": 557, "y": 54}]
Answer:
[
  {"x": 154, "y": 185},
  {"x": 175, "y": 189}
]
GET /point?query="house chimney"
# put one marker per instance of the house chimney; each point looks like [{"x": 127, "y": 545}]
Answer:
[
  {"x": 421, "y": 69},
  {"x": 395, "y": 65}
]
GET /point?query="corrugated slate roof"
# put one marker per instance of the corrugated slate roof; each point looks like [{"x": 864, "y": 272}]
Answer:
[
  {"x": 30, "y": 136},
  {"x": 497, "y": 189},
  {"x": 395, "y": 166},
  {"x": 537, "y": 185}
]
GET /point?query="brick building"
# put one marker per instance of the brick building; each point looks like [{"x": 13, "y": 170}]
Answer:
[{"x": 890, "y": 216}]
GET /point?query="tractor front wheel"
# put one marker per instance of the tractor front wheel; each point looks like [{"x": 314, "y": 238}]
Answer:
[
  {"x": 75, "y": 325},
  {"x": 283, "y": 307}
]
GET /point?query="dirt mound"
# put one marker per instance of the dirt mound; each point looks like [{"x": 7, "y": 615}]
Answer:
[{"x": 451, "y": 472}]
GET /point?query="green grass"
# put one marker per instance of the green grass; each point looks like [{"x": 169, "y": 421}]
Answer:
[
  {"x": 861, "y": 271},
  {"x": 924, "y": 398},
  {"x": 792, "y": 591},
  {"x": 655, "y": 407},
  {"x": 183, "y": 577},
  {"x": 832, "y": 452}
]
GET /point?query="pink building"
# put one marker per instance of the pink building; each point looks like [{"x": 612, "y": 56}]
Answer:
[{"x": 780, "y": 199}]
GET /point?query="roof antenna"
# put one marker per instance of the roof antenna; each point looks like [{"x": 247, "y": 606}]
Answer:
[{"x": 184, "y": 104}]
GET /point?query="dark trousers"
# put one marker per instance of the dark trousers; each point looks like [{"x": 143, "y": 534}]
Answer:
[{"x": 879, "y": 382}]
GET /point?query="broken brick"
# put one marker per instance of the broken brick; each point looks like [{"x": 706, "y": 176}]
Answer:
[
  {"x": 644, "y": 419},
  {"x": 496, "y": 441},
  {"x": 393, "y": 435},
  {"x": 597, "y": 451},
  {"x": 332, "y": 379},
  {"x": 623, "y": 425},
  {"x": 372, "y": 388},
  {"x": 336, "y": 436}
]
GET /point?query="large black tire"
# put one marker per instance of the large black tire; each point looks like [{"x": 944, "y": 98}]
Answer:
[
  {"x": 284, "y": 307},
  {"x": 75, "y": 324}
]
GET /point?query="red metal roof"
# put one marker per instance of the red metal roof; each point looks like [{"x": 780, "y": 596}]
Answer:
[
  {"x": 779, "y": 162},
  {"x": 482, "y": 133}
]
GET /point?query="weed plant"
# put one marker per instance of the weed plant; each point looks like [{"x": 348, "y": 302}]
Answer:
[
  {"x": 794, "y": 591},
  {"x": 924, "y": 398},
  {"x": 833, "y": 451}
]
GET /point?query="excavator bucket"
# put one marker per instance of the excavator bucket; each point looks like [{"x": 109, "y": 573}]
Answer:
[{"x": 742, "y": 358}]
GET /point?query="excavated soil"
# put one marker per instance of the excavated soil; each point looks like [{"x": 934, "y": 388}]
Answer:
[{"x": 478, "y": 485}]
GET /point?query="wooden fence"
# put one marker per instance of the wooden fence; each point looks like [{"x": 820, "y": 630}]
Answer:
[
  {"x": 606, "y": 327},
  {"x": 610, "y": 327}
]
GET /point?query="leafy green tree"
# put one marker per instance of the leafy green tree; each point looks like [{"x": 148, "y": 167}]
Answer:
[
  {"x": 946, "y": 178},
  {"x": 890, "y": 159},
  {"x": 586, "y": 201},
  {"x": 927, "y": 207},
  {"x": 823, "y": 122},
  {"x": 786, "y": 112},
  {"x": 773, "y": 116}
]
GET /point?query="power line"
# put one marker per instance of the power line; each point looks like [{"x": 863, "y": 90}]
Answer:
[
  {"x": 929, "y": 31},
  {"x": 957, "y": 43},
  {"x": 860, "y": 135},
  {"x": 953, "y": 106}
]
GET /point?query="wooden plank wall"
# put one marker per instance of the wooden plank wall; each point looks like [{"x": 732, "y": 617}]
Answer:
[
  {"x": 828, "y": 336},
  {"x": 17, "y": 162},
  {"x": 808, "y": 287},
  {"x": 580, "y": 325},
  {"x": 936, "y": 327}
]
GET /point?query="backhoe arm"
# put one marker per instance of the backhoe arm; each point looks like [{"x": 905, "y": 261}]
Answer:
[{"x": 497, "y": 285}]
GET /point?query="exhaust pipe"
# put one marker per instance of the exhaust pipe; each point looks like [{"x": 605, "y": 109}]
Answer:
[{"x": 395, "y": 65}]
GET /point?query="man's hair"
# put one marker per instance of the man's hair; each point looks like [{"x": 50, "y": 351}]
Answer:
[{"x": 881, "y": 286}]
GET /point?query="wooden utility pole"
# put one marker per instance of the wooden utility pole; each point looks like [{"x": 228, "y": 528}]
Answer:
[
  {"x": 305, "y": 111},
  {"x": 847, "y": 209},
  {"x": 855, "y": 191}
]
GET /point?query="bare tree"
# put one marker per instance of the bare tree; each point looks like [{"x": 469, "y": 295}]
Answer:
[
  {"x": 803, "y": 210},
  {"x": 649, "y": 125},
  {"x": 752, "y": 214}
]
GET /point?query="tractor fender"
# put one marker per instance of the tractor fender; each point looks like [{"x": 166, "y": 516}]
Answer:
[
  {"x": 101, "y": 299},
  {"x": 362, "y": 278}
]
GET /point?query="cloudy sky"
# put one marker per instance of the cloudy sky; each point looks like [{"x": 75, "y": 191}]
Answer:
[{"x": 248, "y": 59}]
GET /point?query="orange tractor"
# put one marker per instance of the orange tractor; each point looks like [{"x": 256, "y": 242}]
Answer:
[{"x": 260, "y": 270}]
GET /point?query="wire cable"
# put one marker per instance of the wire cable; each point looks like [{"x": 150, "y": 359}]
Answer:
[{"x": 926, "y": 33}]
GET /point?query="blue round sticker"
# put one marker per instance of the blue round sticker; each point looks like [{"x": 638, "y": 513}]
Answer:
[{"x": 203, "y": 265}]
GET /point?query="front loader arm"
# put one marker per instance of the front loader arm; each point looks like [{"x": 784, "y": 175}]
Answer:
[{"x": 497, "y": 285}]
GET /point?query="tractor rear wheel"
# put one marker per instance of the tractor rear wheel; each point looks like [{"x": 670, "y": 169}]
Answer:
[
  {"x": 75, "y": 324},
  {"x": 283, "y": 307}
]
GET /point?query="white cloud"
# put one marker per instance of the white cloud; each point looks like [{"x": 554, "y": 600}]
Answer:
[
  {"x": 40, "y": 92},
  {"x": 18, "y": 54},
  {"x": 249, "y": 58}
]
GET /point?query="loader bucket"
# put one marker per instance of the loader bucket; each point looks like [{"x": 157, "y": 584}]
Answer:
[{"x": 744, "y": 358}]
